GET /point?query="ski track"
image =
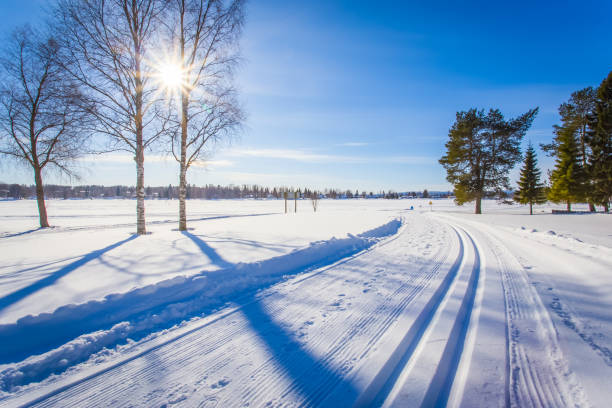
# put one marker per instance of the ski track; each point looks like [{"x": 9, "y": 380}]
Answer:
[
  {"x": 396, "y": 390},
  {"x": 538, "y": 373}
]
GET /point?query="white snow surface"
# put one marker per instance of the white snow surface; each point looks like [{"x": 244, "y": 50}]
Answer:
[{"x": 363, "y": 303}]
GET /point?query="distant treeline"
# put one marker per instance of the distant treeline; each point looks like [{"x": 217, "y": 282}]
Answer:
[{"x": 210, "y": 191}]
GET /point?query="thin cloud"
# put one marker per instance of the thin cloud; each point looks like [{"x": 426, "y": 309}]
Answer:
[
  {"x": 213, "y": 163},
  {"x": 309, "y": 157},
  {"x": 122, "y": 158},
  {"x": 288, "y": 154},
  {"x": 152, "y": 158},
  {"x": 353, "y": 144}
]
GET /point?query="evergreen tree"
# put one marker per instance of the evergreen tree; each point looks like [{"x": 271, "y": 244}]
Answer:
[
  {"x": 568, "y": 177},
  {"x": 531, "y": 190},
  {"x": 481, "y": 150},
  {"x": 575, "y": 114},
  {"x": 600, "y": 167}
]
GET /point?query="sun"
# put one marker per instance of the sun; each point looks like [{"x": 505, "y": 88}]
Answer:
[{"x": 171, "y": 76}]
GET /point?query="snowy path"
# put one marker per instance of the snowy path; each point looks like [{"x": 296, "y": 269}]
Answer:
[{"x": 447, "y": 312}]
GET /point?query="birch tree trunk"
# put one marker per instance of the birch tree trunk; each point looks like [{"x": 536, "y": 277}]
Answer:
[
  {"x": 183, "y": 165},
  {"x": 40, "y": 197},
  {"x": 140, "y": 194},
  {"x": 138, "y": 104}
]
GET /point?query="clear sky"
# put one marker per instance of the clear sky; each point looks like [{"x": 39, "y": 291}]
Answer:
[{"x": 361, "y": 94}]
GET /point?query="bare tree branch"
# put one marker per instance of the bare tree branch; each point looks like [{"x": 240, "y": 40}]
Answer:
[{"x": 43, "y": 112}]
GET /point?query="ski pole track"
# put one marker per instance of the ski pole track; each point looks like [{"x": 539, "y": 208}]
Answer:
[
  {"x": 364, "y": 324},
  {"x": 538, "y": 373}
]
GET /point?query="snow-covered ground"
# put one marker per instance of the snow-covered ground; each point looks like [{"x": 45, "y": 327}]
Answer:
[{"x": 364, "y": 303}]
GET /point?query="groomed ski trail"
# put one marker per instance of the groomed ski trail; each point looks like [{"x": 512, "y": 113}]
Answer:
[
  {"x": 441, "y": 314},
  {"x": 291, "y": 344},
  {"x": 422, "y": 369}
]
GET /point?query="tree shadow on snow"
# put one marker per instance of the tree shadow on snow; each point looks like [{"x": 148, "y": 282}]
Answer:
[
  {"x": 312, "y": 378},
  {"x": 22, "y": 293},
  {"x": 16, "y": 234},
  {"x": 209, "y": 251}
]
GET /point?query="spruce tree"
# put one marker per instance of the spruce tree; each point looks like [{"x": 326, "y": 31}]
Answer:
[
  {"x": 575, "y": 114},
  {"x": 600, "y": 167},
  {"x": 531, "y": 189},
  {"x": 568, "y": 177}
]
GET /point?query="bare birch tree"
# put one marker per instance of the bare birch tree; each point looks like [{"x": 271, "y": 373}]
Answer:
[
  {"x": 204, "y": 35},
  {"x": 43, "y": 113},
  {"x": 110, "y": 47}
]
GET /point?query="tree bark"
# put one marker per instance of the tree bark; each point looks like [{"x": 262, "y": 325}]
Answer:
[
  {"x": 40, "y": 198},
  {"x": 184, "y": 112},
  {"x": 140, "y": 189},
  {"x": 478, "y": 209},
  {"x": 138, "y": 117},
  {"x": 569, "y": 206},
  {"x": 140, "y": 194},
  {"x": 530, "y": 208},
  {"x": 183, "y": 165}
]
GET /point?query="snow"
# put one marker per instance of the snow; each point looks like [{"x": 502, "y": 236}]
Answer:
[{"x": 364, "y": 302}]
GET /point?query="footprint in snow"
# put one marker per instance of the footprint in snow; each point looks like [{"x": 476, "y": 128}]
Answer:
[{"x": 221, "y": 383}]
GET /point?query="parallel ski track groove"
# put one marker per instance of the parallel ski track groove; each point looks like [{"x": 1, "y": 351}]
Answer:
[
  {"x": 440, "y": 387},
  {"x": 339, "y": 352},
  {"x": 380, "y": 387},
  {"x": 526, "y": 383}
]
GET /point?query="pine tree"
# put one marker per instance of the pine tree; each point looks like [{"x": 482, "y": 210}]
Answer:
[
  {"x": 600, "y": 167},
  {"x": 531, "y": 190},
  {"x": 481, "y": 150},
  {"x": 568, "y": 177}
]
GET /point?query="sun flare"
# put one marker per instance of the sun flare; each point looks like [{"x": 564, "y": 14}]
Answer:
[{"x": 171, "y": 75}]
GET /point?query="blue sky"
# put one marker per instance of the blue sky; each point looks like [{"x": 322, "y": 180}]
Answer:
[{"x": 360, "y": 95}]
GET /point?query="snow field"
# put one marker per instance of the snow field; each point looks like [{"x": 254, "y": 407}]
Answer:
[
  {"x": 79, "y": 261},
  {"x": 265, "y": 309}
]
